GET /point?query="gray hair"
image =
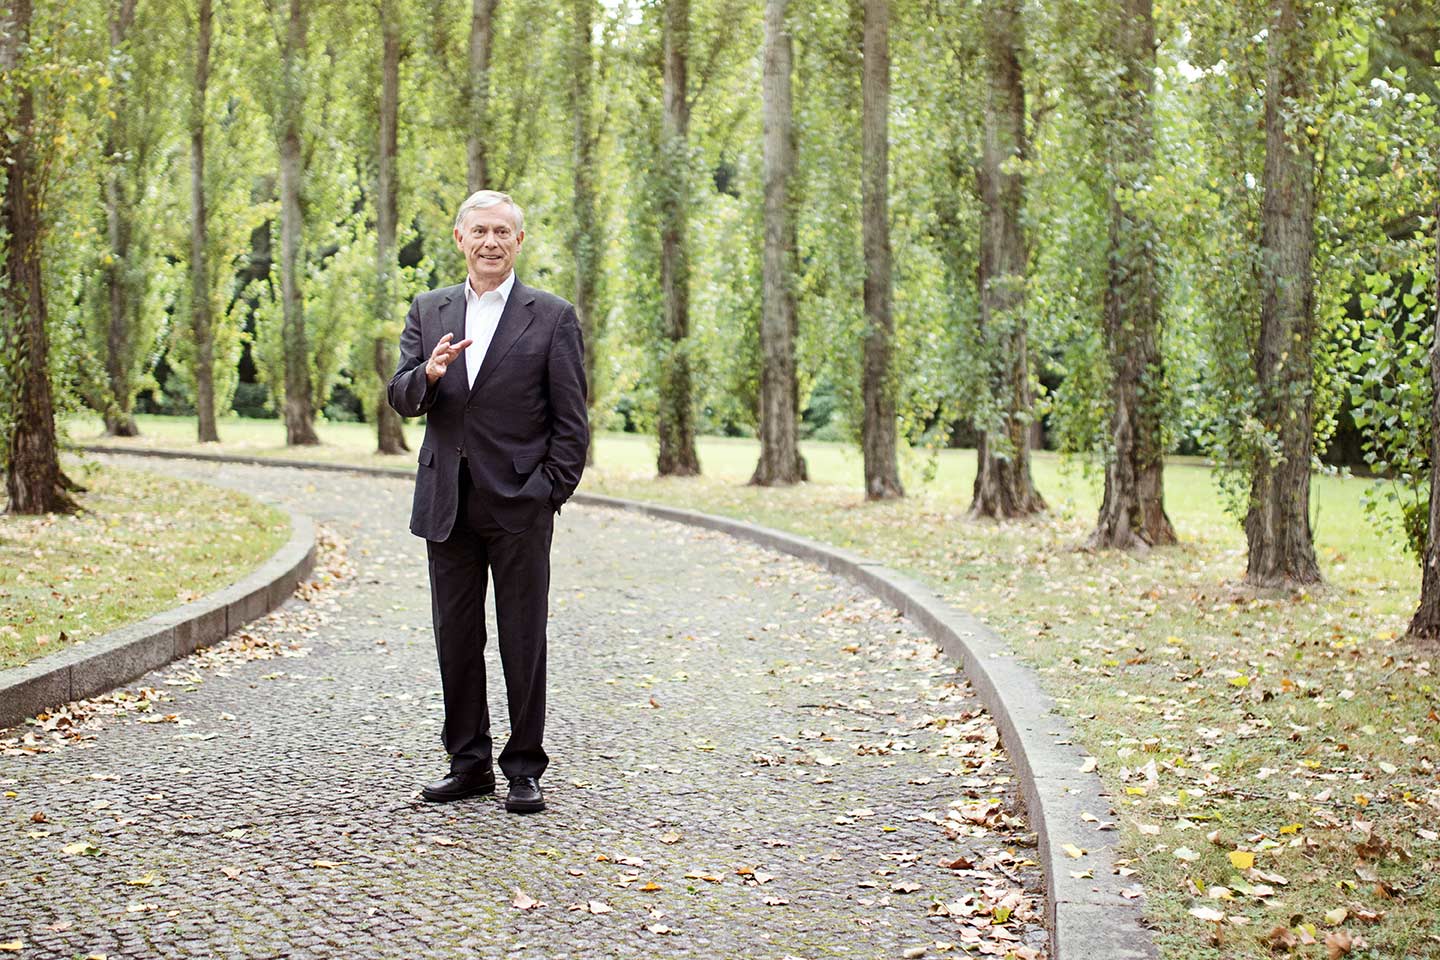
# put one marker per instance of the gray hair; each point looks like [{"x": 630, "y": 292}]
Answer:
[{"x": 481, "y": 199}]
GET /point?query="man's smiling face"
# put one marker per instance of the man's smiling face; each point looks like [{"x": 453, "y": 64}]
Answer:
[{"x": 488, "y": 239}]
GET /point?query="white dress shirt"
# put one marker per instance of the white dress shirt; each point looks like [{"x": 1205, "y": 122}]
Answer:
[{"x": 482, "y": 316}]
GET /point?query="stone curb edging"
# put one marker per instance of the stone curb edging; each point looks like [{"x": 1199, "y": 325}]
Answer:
[
  {"x": 1088, "y": 917},
  {"x": 106, "y": 662}
]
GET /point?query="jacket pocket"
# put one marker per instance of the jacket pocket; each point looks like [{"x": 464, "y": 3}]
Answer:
[
  {"x": 524, "y": 465},
  {"x": 427, "y": 457}
]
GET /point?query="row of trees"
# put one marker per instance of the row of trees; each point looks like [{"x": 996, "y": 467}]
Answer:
[{"x": 1155, "y": 224}]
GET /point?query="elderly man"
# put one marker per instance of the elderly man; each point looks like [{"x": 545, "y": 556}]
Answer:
[{"x": 497, "y": 369}]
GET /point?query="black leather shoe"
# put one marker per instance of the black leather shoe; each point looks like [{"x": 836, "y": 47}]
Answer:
[
  {"x": 458, "y": 786},
  {"x": 525, "y": 795}
]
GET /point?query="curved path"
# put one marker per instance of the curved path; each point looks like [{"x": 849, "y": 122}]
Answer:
[{"x": 750, "y": 758}]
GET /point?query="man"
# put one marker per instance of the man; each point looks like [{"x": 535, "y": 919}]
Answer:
[{"x": 497, "y": 369}]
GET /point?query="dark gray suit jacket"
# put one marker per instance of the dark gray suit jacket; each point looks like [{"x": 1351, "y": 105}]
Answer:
[{"x": 522, "y": 429}]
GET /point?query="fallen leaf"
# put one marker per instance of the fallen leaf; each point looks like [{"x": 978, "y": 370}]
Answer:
[
  {"x": 1337, "y": 916},
  {"x": 1208, "y": 914},
  {"x": 1072, "y": 851},
  {"x": 326, "y": 864},
  {"x": 596, "y": 906},
  {"x": 1242, "y": 859},
  {"x": 1186, "y": 854},
  {"x": 1089, "y": 764},
  {"x": 524, "y": 901},
  {"x": 12, "y": 946},
  {"x": 1337, "y": 944}
]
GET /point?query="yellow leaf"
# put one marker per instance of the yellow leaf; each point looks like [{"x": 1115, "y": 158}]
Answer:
[
  {"x": 1072, "y": 851},
  {"x": 12, "y": 946},
  {"x": 1289, "y": 828},
  {"x": 1240, "y": 681},
  {"x": 1242, "y": 859},
  {"x": 1336, "y": 916}
]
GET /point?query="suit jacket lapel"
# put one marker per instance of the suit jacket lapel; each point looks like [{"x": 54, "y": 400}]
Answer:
[
  {"x": 514, "y": 320},
  {"x": 452, "y": 321}
]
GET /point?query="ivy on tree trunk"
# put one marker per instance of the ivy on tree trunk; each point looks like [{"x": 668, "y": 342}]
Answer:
[
  {"x": 586, "y": 240},
  {"x": 1277, "y": 525},
  {"x": 389, "y": 428},
  {"x": 1003, "y": 485},
  {"x": 676, "y": 417},
  {"x": 780, "y": 461},
  {"x": 299, "y": 399},
  {"x": 33, "y": 480},
  {"x": 477, "y": 95},
  {"x": 202, "y": 320},
  {"x": 1426, "y": 622},
  {"x": 1132, "y": 513},
  {"x": 878, "y": 388}
]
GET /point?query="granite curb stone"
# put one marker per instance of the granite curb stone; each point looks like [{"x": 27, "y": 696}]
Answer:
[
  {"x": 103, "y": 663},
  {"x": 1088, "y": 917}
]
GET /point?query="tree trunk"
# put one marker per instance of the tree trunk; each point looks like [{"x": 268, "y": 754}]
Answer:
[
  {"x": 1277, "y": 526},
  {"x": 1132, "y": 514},
  {"x": 390, "y": 433},
  {"x": 676, "y": 419},
  {"x": 1426, "y": 622},
  {"x": 121, "y": 300},
  {"x": 202, "y": 322},
  {"x": 780, "y": 460},
  {"x": 586, "y": 241},
  {"x": 1003, "y": 485},
  {"x": 878, "y": 429},
  {"x": 299, "y": 402},
  {"x": 477, "y": 94},
  {"x": 33, "y": 481}
]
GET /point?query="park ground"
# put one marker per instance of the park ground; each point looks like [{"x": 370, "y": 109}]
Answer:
[{"x": 1274, "y": 755}]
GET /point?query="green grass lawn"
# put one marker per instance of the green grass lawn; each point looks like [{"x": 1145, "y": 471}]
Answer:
[
  {"x": 142, "y": 544},
  {"x": 1301, "y": 730}
]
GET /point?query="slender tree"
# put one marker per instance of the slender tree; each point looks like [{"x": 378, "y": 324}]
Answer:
[
  {"x": 676, "y": 416},
  {"x": 1277, "y": 525},
  {"x": 299, "y": 392},
  {"x": 122, "y": 277},
  {"x": 477, "y": 95},
  {"x": 202, "y": 319},
  {"x": 878, "y": 437},
  {"x": 33, "y": 479},
  {"x": 1003, "y": 484},
  {"x": 390, "y": 434},
  {"x": 1426, "y": 622},
  {"x": 1132, "y": 513},
  {"x": 586, "y": 239},
  {"x": 780, "y": 460}
]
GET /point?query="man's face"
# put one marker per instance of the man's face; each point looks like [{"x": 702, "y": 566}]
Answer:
[{"x": 488, "y": 239}]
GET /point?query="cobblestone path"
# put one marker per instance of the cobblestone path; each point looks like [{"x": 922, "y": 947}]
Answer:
[{"x": 750, "y": 759}]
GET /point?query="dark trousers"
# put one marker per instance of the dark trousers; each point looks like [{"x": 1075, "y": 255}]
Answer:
[{"x": 520, "y": 566}]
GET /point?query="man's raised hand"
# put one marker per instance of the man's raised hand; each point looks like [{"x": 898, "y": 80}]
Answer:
[{"x": 442, "y": 356}]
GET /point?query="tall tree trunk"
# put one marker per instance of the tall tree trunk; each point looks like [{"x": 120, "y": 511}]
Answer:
[
  {"x": 299, "y": 399},
  {"x": 1426, "y": 622},
  {"x": 33, "y": 481},
  {"x": 477, "y": 94},
  {"x": 1003, "y": 485},
  {"x": 878, "y": 429},
  {"x": 780, "y": 460},
  {"x": 676, "y": 420},
  {"x": 202, "y": 322},
  {"x": 1277, "y": 526},
  {"x": 1132, "y": 514},
  {"x": 586, "y": 242},
  {"x": 390, "y": 433},
  {"x": 121, "y": 301}
]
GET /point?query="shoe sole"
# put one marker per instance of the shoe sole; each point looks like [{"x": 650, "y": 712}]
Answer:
[
  {"x": 528, "y": 806},
  {"x": 451, "y": 797}
]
